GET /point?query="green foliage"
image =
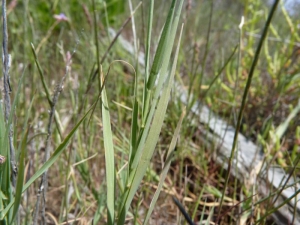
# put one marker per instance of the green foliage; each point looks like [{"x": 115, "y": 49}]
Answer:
[{"x": 135, "y": 150}]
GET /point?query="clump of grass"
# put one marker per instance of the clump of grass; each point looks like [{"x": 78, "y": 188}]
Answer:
[
  {"x": 109, "y": 163},
  {"x": 143, "y": 141}
]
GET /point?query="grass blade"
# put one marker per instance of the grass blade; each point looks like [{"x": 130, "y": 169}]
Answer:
[
  {"x": 147, "y": 59},
  {"x": 21, "y": 172},
  {"x": 158, "y": 62},
  {"x": 109, "y": 153},
  {"x": 41, "y": 75},
  {"x": 165, "y": 169},
  {"x": 20, "y": 179}
]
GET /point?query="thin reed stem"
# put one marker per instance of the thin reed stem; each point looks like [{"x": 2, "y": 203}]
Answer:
[{"x": 244, "y": 99}]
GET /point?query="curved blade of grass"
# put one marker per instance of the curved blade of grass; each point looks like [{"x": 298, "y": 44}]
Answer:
[
  {"x": 48, "y": 95},
  {"x": 165, "y": 169},
  {"x": 221, "y": 70},
  {"x": 107, "y": 133},
  {"x": 50, "y": 162},
  {"x": 109, "y": 153},
  {"x": 41, "y": 75}
]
